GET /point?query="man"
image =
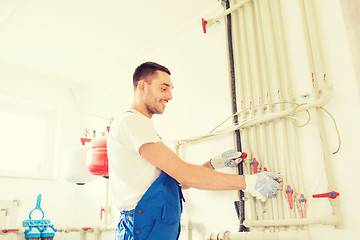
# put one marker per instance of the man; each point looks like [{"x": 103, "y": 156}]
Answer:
[{"x": 146, "y": 176}]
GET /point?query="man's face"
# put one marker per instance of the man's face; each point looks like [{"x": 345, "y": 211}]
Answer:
[{"x": 158, "y": 93}]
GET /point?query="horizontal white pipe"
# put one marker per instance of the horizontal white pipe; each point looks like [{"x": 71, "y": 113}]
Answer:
[
  {"x": 282, "y": 235},
  {"x": 215, "y": 19},
  {"x": 81, "y": 229},
  {"x": 332, "y": 220},
  {"x": 265, "y": 118},
  {"x": 21, "y": 230}
]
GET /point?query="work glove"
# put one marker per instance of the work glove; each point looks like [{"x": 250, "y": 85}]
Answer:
[
  {"x": 262, "y": 185},
  {"x": 230, "y": 158}
]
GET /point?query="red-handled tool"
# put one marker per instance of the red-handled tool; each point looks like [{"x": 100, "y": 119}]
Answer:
[
  {"x": 290, "y": 192},
  {"x": 203, "y": 23},
  {"x": 331, "y": 195},
  {"x": 302, "y": 201},
  {"x": 9, "y": 230},
  {"x": 255, "y": 165}
]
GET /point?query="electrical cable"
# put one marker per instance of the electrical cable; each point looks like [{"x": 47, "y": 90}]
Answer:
[
  {"x": 291, "y": 115},
  {"x": 239, "y": 205},
  {"x": 336, "y": 128},
  {"x": 249, "y": 108}
]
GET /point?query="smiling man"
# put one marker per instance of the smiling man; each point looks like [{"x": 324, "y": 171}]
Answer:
[{"x": 146, "y": 176}]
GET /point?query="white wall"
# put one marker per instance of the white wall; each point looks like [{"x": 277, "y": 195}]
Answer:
[
  {"x": 202, "y": 100},
  {"x": 64, "y": 203}
]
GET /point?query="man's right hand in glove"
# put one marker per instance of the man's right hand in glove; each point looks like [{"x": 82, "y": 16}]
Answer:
[{"x": 262, "y": 185}]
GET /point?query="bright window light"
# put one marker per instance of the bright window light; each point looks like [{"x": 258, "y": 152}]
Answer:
[
  {"x": 27, "y": 142},
  {"x": 22, "y": 142}
]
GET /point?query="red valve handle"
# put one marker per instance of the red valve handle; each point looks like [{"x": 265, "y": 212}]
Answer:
[
  {"x": 101, "y": 211},
  {"x": 203, "y": 23},
  {"x": 255, "y": 165},
  {"x": 331, "y": 195},
  {"x": 9, "y": 230},
  {"x": 302, "y": 201},
  {"x": 290, "y": 192},
  {"x": 86, "y": 228},
  {"x": 279, "y": 180},
  {"x": 84, "y": 140}
]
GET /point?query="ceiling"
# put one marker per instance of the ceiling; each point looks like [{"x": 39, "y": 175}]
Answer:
[{"x": 84, "y": 40}]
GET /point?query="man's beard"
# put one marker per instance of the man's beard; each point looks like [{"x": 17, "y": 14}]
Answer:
[{"x": 152, "y": 110}]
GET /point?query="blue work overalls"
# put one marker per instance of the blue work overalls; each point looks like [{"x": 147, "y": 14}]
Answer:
[{"x": 157, "y": 214}]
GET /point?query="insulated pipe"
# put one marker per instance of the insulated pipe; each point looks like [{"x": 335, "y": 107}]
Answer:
[
  {"x": 254, "y": 92},
  {"x": 21, "y": 230},
  {"x": 312, "y": 43},
  {"x": 286, "y": 77},
  {"x": 245, "y": 59},
  {"x": 330, "y": 220},
  {"x": 215, "y": 19},
  {"x": 275, "y": 115},
  {"x": 106, "y": 209},
  {"x": 265, "y": 77},
  {"x": 82, "y": 235},
  {"x": 240, "y": 96},
  {"x": 287, "y": 235},
  {"x": 240, "y": 207},
  {"x": 68, "y": 229},
  {"x": 288, "y": 176},
  {"x": 266, "y": 118}
]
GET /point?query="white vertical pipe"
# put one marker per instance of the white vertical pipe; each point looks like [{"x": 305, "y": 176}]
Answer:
[
  {"x": 265, "y": 76},
  {"x": 233, "y": 8},
  {"x": 286, "y": 76},
  {"x": 247, "y": 78},
  {"x": 252, "y": 34},
  {"x": 284, "y": 56},
  {"x": 313, "y": 43},
  {"x": 241, "y": 96},
  {"x": 82, "y": 235},
  {"x": 107, "y": 205},
  {"x": 273, "y": 57}
]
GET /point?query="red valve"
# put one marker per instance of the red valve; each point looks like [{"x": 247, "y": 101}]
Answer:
[
  {"x": 331, "y": 195},
  {"x": 86, "y": 228},
  {"x": 10, "y": 230},
  {"x": 279, "y": 180},
  {"x": 101, "y": 211},
  {"x": 203, "y": 23},
  {"x": 302, "y": 201},
  {"x": 84, "y": 140},
  {"x": 255, "y": 165},
  {"x": 290, "y": 192}
]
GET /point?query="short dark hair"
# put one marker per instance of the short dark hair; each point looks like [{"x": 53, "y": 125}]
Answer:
[{"x": 146, "y": 70}]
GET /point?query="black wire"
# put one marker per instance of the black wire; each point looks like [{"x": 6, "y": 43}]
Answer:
[{"x": 239, "y": 205}]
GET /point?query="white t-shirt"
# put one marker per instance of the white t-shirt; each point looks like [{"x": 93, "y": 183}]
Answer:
[{"x": 130, "y": 175}]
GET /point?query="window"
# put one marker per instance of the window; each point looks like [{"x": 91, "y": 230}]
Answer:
[{"x": 27, "y": 139}]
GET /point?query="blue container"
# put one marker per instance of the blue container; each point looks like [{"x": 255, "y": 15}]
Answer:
[{"x": 32, "y": 232}]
